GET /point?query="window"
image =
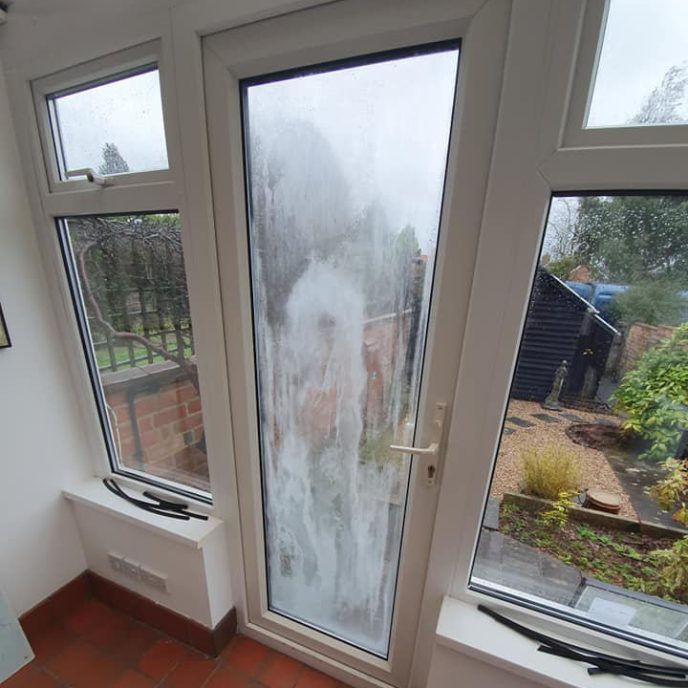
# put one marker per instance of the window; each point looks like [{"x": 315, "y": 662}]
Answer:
[
  {"x": 642, "y": 77},
  {"x": 586, "y": 515},
  {"x": 129, "y": 287},
  {"x": 120, "y": 245},
  {"x": 92, "y": 125}
]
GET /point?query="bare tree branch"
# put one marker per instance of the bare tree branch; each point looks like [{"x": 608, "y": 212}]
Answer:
[{"x": 110, "y": 332}]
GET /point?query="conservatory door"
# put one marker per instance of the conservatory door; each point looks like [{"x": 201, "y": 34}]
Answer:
[{"x": 348, "y": 177}]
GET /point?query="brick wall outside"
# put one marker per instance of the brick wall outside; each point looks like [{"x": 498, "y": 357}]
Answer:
[
  {"x": 157, "y": 422},
  {"x": 380, "y": 342},
  {"x": 638, "y": 340}
]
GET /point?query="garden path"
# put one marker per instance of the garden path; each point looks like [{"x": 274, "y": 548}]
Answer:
[
  {"x": 637, "y": 476},
  {"x": 504, "y": 561},
  {"x": 528, "y": 426}
]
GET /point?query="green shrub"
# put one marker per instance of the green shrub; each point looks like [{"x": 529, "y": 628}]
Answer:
[
  {"x": 557, "y": 515},
  {"x": 656, "y": 302},
  {"x": 549, "y": 471},
  {"x": 562, "y": 267},
  {"x": 672, "y": 491},
  {"x": 654, "y": 395},
  {"x": 672, "y": 571}
]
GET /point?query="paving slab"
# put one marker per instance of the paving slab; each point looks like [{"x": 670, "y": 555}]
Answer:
[
  {"x": 491, "y": 518},
  {"x": 606, "y": 420},
  {"x": 505, "y": 561},
  {"x": 636, "y": 476},
  {"x": 545, "y": 417},
  {"x": 515, "y": 420},
  {"x": 572, "y": 417}
]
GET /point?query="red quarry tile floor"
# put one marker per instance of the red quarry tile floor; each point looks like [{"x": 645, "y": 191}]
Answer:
[{"x": 97, "y": 647}]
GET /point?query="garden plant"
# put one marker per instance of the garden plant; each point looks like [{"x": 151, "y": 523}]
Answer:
[{"x": 653, "y": 397}]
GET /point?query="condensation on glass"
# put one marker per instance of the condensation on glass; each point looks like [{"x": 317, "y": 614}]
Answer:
[
  {"x": 112, "y": 127},
  {"x": 642, "y": 76},
  {"x": 130, "y": 292},
  {"x": 585, "y": 513},
  {"x": 346, "y": 170}
]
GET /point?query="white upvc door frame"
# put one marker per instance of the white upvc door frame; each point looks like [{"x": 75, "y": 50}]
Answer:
[
  {"x": 541, "y": 148},
  {"x": 322, "y": 34}
]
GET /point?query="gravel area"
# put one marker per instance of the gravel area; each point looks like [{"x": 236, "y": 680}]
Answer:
[{"x": 595, "y": 470}]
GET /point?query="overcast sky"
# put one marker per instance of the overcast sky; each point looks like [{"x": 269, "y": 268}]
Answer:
[
  {"x": 127, "y": 113},
  {"x": 643, "y": 39}
]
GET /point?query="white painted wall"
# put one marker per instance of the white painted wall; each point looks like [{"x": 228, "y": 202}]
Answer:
[
  {"x": 197, "y": 573},
  {"x": 41, "y": 445},
  {"x": 450, "y": 668}
]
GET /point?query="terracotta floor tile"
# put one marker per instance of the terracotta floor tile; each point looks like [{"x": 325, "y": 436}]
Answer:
[
  {"x": 191, "y": 672},
  {"x": 104, "y": 673},
  {"x": 161, "y": 658},
  {"x": 88, "y": 617},
  {"x": 227, "y": 678},
  {"x": 280, "y": 672},
  {"x": 247, "y": 655},
  {"x": 22, "y": 678},
  {"x": 41, "y": 680},
  {"x": 138, "y": 639},
  {"x": 51, "y": 641},
  {"x": 107, "y": 635},
  {"x": 134, "y": 679},
  {"x": 73, "y": 661},
  {"x": 314, "y": 679},
  {"x": 94, "y": 646}
]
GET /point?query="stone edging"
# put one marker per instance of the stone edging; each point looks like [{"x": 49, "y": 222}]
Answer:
[{"x": 597, "y": 518}]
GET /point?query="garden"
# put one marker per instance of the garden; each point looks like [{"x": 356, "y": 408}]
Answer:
[{"x": 573, "y": 483}]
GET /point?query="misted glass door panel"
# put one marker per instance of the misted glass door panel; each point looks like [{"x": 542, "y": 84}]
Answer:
[{"x": 345, "y": 168}]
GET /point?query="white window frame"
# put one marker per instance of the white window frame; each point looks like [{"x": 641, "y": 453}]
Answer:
[
  {"x": 577, "y": 135},
  {"x": 96, "y": 72},
  {"x": 155, "y": 191},
  {"x": 533, "y": 159}
]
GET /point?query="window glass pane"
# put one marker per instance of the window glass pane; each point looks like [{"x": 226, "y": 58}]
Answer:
[
  {"x": 346, "y": 177},
  {"x": 130, "y": 289},
  {"x": 113, "y": 128},
  {"x": 642, "y": 76},
  {"x": 585, "y": 513}
]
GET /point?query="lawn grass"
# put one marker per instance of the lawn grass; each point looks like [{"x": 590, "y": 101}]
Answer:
[
  {"x": 611, "y": 556},
  {"x": 122, "y": 356}
]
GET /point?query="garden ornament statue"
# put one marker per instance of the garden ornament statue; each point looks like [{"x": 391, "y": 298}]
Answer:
[{"x": 552, "y": 401}]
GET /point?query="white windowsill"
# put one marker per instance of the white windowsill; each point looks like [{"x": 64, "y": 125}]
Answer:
[
  {"x": 94, "y": 494},
  {"x": 464, "y": 629}
]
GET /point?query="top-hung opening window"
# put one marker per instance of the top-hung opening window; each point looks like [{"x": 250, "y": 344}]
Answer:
[
  {"x": 86, "y": 122},
  {"x": 642, "y": 71}
]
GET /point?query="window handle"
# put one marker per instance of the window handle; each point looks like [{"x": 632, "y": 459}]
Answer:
[
  {"x": 90, "y": 175},
  {"x": 433, "y": 448}
]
